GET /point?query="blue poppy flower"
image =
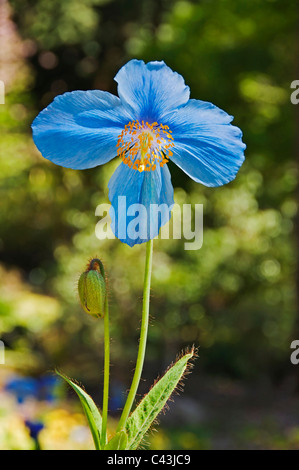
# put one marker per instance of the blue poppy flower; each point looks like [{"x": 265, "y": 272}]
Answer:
[
  {"x": 44, "y": 388},
  {"x": 152, "y": 121},
  {"x": 34, "y": 427},
  {"x": 22, "y": 388}
]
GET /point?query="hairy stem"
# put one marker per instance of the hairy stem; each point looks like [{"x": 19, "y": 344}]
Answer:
[
  {"x": 93, "y": 265},
  {"x": 106, "y": 374},
  {"x": 143, "y": 337}
]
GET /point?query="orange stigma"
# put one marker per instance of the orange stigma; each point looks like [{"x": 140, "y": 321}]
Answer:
[{"x": 144, "y": 146}]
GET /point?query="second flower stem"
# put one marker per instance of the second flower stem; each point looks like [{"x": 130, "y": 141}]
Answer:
[
  {"x": 106, "y": 374},
  {"x": 143, "y": 336}
]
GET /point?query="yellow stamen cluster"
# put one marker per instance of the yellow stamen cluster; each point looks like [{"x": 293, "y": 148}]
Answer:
[{"x": 143, "y": 146}]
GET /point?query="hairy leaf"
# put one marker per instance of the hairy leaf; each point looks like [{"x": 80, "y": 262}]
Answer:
[{"x": 153, "y": 403}]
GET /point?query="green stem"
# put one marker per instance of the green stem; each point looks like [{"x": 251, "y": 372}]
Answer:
[
  {"x": 143, "y": 337},
  {"x": 93, "y": 265},
  {"x": 106, "y": 375}
]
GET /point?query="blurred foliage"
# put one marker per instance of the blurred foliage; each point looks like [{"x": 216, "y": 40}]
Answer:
[{"x": 236, "y": 296}]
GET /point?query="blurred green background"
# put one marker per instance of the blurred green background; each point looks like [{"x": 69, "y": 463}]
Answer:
[{"x": 235, "y": 298}]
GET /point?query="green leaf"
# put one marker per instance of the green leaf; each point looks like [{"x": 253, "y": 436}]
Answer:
[
  {"x": 118, "y": 442},
  {"x": 91, "y": 411},
  {"x": 152, "y": 404}
]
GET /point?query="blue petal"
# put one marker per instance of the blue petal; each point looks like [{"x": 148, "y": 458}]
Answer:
[
  {"x": 79, "y": 129},
  {"x": 135, "y": 197},
  {"x": 151, "y": 90},
  {"x": 206, "y": 146}
]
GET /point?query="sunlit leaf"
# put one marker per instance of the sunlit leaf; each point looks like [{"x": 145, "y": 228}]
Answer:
[{"x": 153, "y": 403}]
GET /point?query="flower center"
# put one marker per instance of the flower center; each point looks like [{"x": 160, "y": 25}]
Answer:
[{"x": 143, "y": 146}]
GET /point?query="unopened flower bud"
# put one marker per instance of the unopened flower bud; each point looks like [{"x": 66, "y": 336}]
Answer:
[{"x": 92, "y": 289}]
